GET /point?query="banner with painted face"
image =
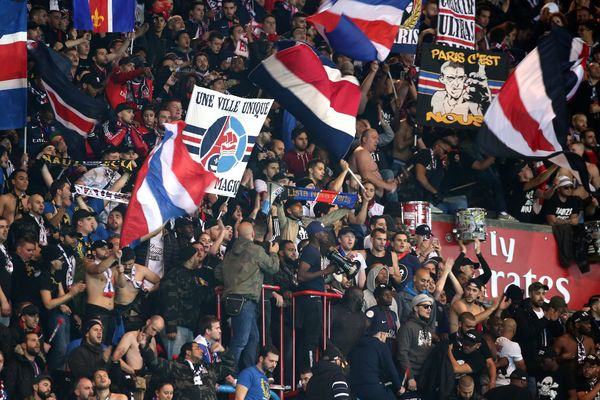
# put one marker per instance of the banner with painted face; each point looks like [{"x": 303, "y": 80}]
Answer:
[
  {"x": 220, "y": 134},
  {"x": 456, "y": 86}
]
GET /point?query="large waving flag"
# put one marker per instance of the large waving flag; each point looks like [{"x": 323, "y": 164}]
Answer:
[
  {"x": 13, "y": 68},
  {"x": 77, "y": 112},
  {"x": 315, "y": 92},
  {"x": 104, "y": 15},
  {"x": 363, "y": 30},
  {"x": 529, "y": 117},
  {"x": 170, "y": 184}
]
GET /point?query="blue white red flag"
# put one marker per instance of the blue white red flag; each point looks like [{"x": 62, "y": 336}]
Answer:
[
  {"x": 170, "y": 184},
  {"x": 529, "y": 117},
  {"x": 13, "y": 68},
  {"x": 363, "y": 30},
  {"x": 104, "y": 15},
  {"x": 315, "y": 92}
]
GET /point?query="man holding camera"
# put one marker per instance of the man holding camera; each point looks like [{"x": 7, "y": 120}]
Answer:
[{"x": 311, "y": 277}]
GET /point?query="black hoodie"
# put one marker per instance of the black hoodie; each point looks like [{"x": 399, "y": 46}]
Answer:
[{"x": 327, "y": 383}]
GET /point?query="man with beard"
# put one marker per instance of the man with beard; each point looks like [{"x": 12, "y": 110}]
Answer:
[
  {"x": 84, "y": 389},
  {"x": 253, "y": 382},
  {"x": 362, "y": 162},
  {"x": 35, "y": 219},
  {"x": 13, "y": 205},
  {"x": 293, "y": 223},
  {"x": 127, "y": 352},
  {"x": 588, "y": 383},
  {"x": 469, "y": 303},
  {"x": 90, "y": 355},
  {"x": 297, "y": 159},
  {"x": 572, "y": 347},
  {"x": 415, "y": 340},
  {"x": 42, "y": 388},
  {"x": 102, "y": 386},
  {"x": 553, "y": 382},
  {"x": 193, "y": 379},
  {"x": 382, "y": 317},
  {"x": 130, "y": 292},
  {"x": 25, "y": 365},
  {"x": 311, "y": 277},
  {"x": 25, "y": 274}
]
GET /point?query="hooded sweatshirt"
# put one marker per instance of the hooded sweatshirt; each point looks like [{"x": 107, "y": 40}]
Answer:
[
  {"x": 371, "y": 363},
  {"x": 414, "y": 345},
  {"x": 371, "y": 285}
]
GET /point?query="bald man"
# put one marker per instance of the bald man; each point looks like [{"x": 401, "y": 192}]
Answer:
[
  {"x": 419, "y": 285},
  {"x": 510, "y": 350},
  {"x": 127, "y": 352},
  {"x": 362, "y": 162},
  {"x": 35, "y": 218},
  {"x": 242, "y": 272}
]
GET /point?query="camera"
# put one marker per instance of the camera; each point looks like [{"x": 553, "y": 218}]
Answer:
[{"x": 344, "y": 264}]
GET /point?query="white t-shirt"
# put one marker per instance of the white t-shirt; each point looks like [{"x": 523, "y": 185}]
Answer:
[{"x": 512, "y": 351}]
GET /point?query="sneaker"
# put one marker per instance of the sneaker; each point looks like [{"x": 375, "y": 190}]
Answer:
[{"x": 506, "y": 217}]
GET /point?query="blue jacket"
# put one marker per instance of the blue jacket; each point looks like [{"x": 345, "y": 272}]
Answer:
[{"x": 371, "y": 363}]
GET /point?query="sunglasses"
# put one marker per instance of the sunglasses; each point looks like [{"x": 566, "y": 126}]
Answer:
[{"x": 426, "y": 306}]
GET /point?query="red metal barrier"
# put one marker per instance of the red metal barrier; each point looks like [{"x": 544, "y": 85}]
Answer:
[{"x": 326, "y": 296}]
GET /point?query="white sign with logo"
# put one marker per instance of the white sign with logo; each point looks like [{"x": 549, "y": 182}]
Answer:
[{"x": 220, "y": 134}]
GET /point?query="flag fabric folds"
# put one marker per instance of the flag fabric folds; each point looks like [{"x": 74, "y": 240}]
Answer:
[
  {"x": 170, "y": 184},
  {"x": 315, "y": 93},
  {"x": 104, "y": 15},
  {"x": 13, "y": 69},
  {"x": 529, "y": 117},
  {"x": 363, "y": 30}
]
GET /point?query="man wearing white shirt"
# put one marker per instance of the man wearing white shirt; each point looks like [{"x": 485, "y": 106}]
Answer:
[{"x": 510, "y": 350}]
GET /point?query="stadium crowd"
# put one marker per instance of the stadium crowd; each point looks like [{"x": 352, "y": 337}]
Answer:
[{"x": 82, "y": 318}]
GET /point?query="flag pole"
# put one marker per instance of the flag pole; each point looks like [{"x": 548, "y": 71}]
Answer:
[
  {"x": 25, "y": 139},
  {"x": 393, "y": 86},
  {"x": 357, "y": 180},
  {"x": 220, "y": 213}
]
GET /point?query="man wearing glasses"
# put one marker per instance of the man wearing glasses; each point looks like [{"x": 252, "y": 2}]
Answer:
[
  {"x": 563, "y": 208},
  {"x": 414, "y": 341}
]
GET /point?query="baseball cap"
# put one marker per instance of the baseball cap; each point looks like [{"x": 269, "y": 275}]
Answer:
[
  {"x": 535, "y": 286},
  {"x": 126, "y": 60},
  {"x": 101, "y": 243},
  {"x": 51, "y": 252},
  {"x": 546, "y": 352},
  {"x": 423, "y": 230},
  {"x": 557, "y": 302},
  {"x": 345, "y": 230},
  {"x": 468, "y": 261},
  {"x": 591, "y": 359},
  {"x": 81, "y": 214},
  {"x": 472, "y": 336},
  {"x": 92, "y": 79},
  {"x": 315, "y": 227},
  {"x": 30, "y": 309},
  {"x": 380, "y": 289},
  {"x": 564, "y": 181},
  {"x": 420, "y": 299},
  {"x": 122, "y": 107},
  {"x": 475, "y": 281},
  {"x": 514, "y": 293},
  {"x": 42, "y": 377},
  {"x": 519, "y": 374},
  {"x": 581, "y": 316}
]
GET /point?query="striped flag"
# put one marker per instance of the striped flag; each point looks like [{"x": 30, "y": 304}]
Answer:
[
  {"x": 77, "y": 112},
  {"x": 315, "y": 92},
  {"x": 529, "y": 117},
  {"x": 170, "y": 184},
  {"x": 363, "y": 30},
  {"x": 13, "y": 68},
  {"x": 104, "y": 15}
]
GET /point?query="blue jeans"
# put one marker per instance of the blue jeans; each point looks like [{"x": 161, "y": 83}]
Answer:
[
  {"x": 60, "y": 342},
  {"x": 184, "y": 335},
  {"x": 245, "y": 338},
  {"x": 450, "y": 204}
]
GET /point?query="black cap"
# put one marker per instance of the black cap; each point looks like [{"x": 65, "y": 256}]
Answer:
[
  {"x": 546, "y": 352},
  {"x": 535, "y": 286},
  {"x": 122, "y": 107},
  {"x": 81, "y": 214},
  {"x": 423, "y": 230},
  {"x": 31, "y": 25},
  {"x": 468, "y": 261},
  {"x": 475, "y": 281},
  {"x": 126, "y": 60},
  {"x": 42, "y": 377},
  {"x": 181, "y": 222},
  {"x": 514, "y": 293},
  {"x": 186, "y": 253},
  {"x": 519, "y": 374},
  {"x": 87, "y": 325},
  {"x": 30, "y": 309},
  {"x": 321, "y": 209},
  {"x": 345, "y": 230},
  {"x": 52, "y": 252},
  {"x": 581, "y": 316},
  {"x": 380, "y": 289},
  {"x": 101, "y": 243},
  {"x": 472, "y": 336},
  {"x": 92, "y": 79},
  {"x": 591, "y": 359}
]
